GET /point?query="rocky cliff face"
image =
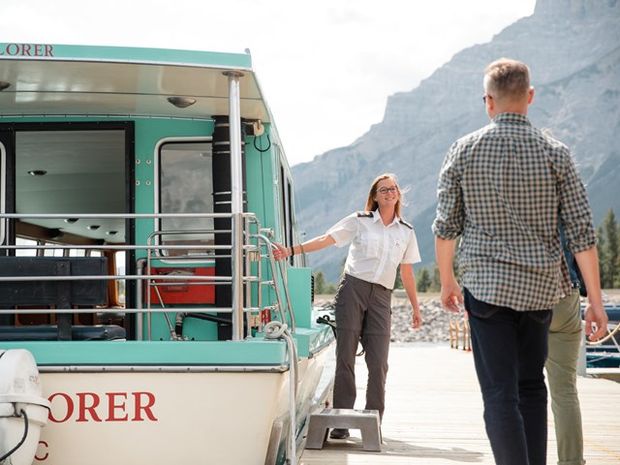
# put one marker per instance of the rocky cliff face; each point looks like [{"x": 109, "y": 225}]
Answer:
[{"x": 573, "y": 50}]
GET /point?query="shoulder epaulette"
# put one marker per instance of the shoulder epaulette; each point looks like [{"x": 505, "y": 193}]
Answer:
[
  {"x": 403, "y": 222},
  {"x": 365, "y": 215}
]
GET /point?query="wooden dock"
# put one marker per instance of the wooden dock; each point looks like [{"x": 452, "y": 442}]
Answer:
[{"x": 434, "y": 415}]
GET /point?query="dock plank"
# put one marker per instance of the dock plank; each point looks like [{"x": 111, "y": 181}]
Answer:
[{"x": 434, "y": 415}]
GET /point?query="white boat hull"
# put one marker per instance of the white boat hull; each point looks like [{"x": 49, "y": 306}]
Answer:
[{"x": 155, "y": 418}]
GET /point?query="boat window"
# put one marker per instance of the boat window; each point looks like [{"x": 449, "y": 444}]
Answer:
[
  {"x": 186, "y": 186},
  {"x": 25, "y": 252},
  {"x": 32, "y": 252},
  {"x": 73, "y": 172},
  {"x": 286, "y": 209},
  {"x": 53, "y": 252},
  {"x": 119, "y": 267}
]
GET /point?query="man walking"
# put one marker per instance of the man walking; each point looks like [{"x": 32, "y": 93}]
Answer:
[{"x": 505, "y": 190}]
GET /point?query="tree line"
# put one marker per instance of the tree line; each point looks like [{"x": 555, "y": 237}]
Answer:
[{"x": 608, "y": 235}]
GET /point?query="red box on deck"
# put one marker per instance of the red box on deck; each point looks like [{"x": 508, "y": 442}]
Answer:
[{"x": 183, "y": 293}]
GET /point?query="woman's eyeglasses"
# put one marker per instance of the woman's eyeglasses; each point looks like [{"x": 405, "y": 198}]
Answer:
[{"x": 385, "y": 190}]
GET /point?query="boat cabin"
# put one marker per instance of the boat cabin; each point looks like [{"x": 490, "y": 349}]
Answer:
[{"x": 116, "y": 163}]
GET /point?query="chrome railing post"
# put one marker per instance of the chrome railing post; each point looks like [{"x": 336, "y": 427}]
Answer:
[
  {"x": 248, "y": 270},
  {"x": 139, "y": 304},
  {"x": 236, "y": 203},
  {"x": 149, "y": 315}
]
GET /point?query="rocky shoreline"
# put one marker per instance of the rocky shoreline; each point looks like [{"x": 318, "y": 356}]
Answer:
[
  {"x": 436, "y": 321},
  {"x": 435, "y": 325}
]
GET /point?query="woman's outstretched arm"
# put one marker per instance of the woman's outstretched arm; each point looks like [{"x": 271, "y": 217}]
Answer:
[{"x": 317, "y": 243}]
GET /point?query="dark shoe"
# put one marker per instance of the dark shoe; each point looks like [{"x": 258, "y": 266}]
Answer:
[{"x": 339, "y": 433}]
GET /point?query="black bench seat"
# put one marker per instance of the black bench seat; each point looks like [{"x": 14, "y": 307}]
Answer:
[{"x": 62, "y": 294}]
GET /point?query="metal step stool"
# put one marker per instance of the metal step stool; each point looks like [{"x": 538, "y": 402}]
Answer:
[{"x": 367, "y": 421}]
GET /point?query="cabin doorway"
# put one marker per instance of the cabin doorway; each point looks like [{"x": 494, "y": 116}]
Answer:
[{"x": 70, "y": 169}]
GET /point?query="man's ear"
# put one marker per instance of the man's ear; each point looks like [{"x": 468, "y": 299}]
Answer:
[
  {"x": 490, "y": 103},
  {"x": 530, "y": 96}
]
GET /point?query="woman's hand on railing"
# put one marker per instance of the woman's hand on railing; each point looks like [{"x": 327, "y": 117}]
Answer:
[{"x": 280, "y": 252}]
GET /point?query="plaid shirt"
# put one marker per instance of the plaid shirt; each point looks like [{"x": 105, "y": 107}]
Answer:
[{"x": 506, "y": 189}]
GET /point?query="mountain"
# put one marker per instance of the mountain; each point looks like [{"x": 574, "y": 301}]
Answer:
[{"x": 573, "y": 50}]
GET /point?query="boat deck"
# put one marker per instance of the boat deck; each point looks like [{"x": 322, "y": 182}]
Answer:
[{"x": 434, "y": 415}]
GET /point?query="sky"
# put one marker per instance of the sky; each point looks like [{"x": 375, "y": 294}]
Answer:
[{"x": 326, "y": 67}]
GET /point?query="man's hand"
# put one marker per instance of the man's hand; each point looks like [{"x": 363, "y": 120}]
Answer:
[
  {"x": 451, "y": 296},
  {"x": 595, "y": 315},
  {"x": 596, "y": 322}
]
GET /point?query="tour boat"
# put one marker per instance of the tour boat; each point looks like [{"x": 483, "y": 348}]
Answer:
[{"x": 141, "y": 192}]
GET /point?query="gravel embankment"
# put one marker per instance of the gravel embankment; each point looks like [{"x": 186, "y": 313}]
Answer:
[{"x": 436, "y": 321}]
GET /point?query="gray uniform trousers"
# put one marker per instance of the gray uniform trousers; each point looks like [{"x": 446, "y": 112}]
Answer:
[{"x": 363, "y": 310}]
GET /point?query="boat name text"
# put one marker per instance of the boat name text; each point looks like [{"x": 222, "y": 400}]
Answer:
[
  {"x": 27, "y": 50},
  {"x": 106, "y": 407}
]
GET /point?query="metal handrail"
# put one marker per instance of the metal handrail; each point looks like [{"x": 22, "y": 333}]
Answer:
[
  {"x": 111, "y": 247},
  {"x": 35, "y": 311},
  {"x": 102, "y": 277},
  {"x": 284, "y": 276},
  {"x": 269, "y": 244},
  {"x": 128, "y": 216},
  {"x": 157, "y": 280},
  {"x": 157, "y": 237}
]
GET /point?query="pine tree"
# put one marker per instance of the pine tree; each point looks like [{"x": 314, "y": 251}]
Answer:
[
  {"x": 617, "y": 270},
  {"x": 398, "y": 283},
  {"x": 423, "y": 280},
  {"x": 610, "y": 228},
  {"x": 319, "y": 283},
  {"x": 330, "y": 289},
  {"x": 436, "y": 281},
  {"x": 602, "y": 258}
]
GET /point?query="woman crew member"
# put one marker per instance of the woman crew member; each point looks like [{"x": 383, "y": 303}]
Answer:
[{"x": 380, "y": 241}]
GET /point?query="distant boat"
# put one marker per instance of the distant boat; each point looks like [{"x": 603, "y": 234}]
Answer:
[{"x": 140, "y": 193}]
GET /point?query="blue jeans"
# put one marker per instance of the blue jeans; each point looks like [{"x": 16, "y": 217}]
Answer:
[{"x": 510, "y": 349}]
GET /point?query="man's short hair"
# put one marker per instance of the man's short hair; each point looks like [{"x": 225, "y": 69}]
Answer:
[{"x": 506, "y": 78}]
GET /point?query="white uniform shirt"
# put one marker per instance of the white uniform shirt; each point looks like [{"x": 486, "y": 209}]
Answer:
[{"x": 376, "y": 250}]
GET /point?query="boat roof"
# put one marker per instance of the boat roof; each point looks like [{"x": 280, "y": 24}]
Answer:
[{"x": 47, "y": 79}]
